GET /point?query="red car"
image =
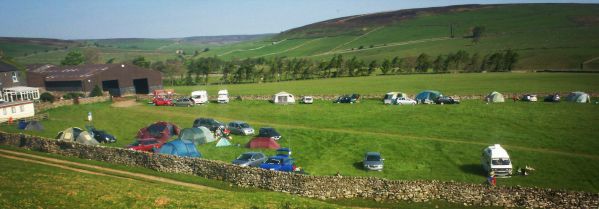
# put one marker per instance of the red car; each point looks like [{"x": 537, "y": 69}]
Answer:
[
  {"x": 162, "y": 102},
  {"x": 148, "y": 145}
]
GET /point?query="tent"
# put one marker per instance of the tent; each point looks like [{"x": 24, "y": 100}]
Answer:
[
  {"x": 283, "y": 98},
  {"x": 427, "y": 96},
  {"x": 200, "y": 135},
  {"x": 76, "y": 135},
  {"x": 223, "y": 142},
  {"x": 34, "y": 125},
  {"x": 495, "y": 97},
  {"x": 264, "y": 143},
  {"x": 181, "y": 148},
  {"x": 579, "y": 97},
  {"x": 161, "y": 131}
]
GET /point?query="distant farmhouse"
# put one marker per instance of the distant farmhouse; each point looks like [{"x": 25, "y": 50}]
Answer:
[
  {"x": 16, "y": 99},
  {"x": 117, "y": 79}
]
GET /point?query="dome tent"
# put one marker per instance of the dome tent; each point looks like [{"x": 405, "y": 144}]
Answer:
[
  {"x": 263, "y": 143},
  {"x": 76, "y": 135},
  {"x": 495, "y": 97},
  {"x": 579, "y": 97},
  {"x": 181, "y": 148},
  {"x": 200, "y": 135},
  {"x": 223, "y": 142},
  {"x": 427, "y": 96}
]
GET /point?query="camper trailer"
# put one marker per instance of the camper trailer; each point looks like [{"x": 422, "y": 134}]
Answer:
[
  {"x": 199, "y": 97},
  {"x": 223, "y": 96},
  {"x": 391, "y": 97},
  {"x": 494, "y": 158}
]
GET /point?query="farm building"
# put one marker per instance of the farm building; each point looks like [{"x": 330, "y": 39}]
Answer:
[
  {"x": 12, "y": 85},
  {"x": 16, "y": 110},
  {"x": 117, "y": 79},
  {"x": 10, "y": 76}
]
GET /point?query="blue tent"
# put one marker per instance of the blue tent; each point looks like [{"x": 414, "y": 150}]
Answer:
[
  {"x": 427, "y": 96},
  {"x": 181, "y": 148}
]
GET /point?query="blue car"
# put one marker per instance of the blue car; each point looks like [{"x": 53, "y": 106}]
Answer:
[{"x": 280, "y": 162}]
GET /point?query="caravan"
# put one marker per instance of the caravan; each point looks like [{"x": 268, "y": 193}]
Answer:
[
  {"x": 223, "y": 96},
  {"x": 199, "y": 97}
]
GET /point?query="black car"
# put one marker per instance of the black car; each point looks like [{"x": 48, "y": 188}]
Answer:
[
  {"x": 446, "y": 100},
  {"x": 269, "y": 132},
  {"x": 209, "y": 123},
  {"x": 348, "y": 99},
  {"x": 552, "y": 98},
  {"x": 101, "y": 136}
]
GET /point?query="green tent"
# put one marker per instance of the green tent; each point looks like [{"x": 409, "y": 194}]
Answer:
[
  {"x": 495, "y": 97},
  {"x": 223, "y": 142},
  {"x": 76, "y": 135},
  {"x": 579, "y": 97},
  {"x": 200, "y": 135}
]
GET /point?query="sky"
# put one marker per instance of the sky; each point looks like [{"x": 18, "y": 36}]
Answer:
[{"x": 88, "y": 19}]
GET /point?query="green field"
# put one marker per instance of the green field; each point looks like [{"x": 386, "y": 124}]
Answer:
[{"x": 449, "y": 84}]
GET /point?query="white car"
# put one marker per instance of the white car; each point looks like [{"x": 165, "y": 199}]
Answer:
[
  {"x": 223, "y": 96},
  {"x": 199, "y": 97},
  {"x": 404, "y": 101},
  {"x": 307, "y": 100}
]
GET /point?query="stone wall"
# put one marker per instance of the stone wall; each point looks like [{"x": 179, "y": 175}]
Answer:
[
  {"x": 321, "y": 187},
  {"x": 40, "y": 106}
]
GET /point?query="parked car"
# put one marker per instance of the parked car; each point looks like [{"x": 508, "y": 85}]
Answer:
[
  {"x": 348, "y": 99},
  {"x": 446, "y": 100},
  {"x": 552, "y": 98},
  {"x": 280, "y": 162},
  {"x": 373, "y": 161},
  {"x": 100, "y": 135},
  {"x": 269, "y": 132},
  {"x": 240, "y": 128},
  {"x": 252, "y": 159},
  {"x": 307, "y": 100},
  {"x": 404, "y": 101},
  {"x": 199, "y": 97},
  {"x": 209, "y": 123},
  {"x": 184, "y": 102},
  {"x": 529, "y": 98},
  {"x": 162, "y": 102},
  {"x": 148, "y": 145},
  {"x": 223, "y": 96}
]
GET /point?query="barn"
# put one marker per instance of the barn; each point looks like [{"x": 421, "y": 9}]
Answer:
[{"x": 117, "y": 79}]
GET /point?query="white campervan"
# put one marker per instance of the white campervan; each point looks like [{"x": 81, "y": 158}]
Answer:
[
  {"x": 199, "y": 97},
  {"x": 495, "y": 158},
  {"x": 223, "y": 96}
]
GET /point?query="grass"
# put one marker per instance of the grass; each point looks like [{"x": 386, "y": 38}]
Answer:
[
  {"x": 418, "y": 142},
  {"x": 450, "y": 84}
]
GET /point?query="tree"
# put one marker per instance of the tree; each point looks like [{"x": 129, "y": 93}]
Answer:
[
  {"x": 47, "y": 97},
  {"x": 474, "y": 64},
  {"x": 1, "y": 53},
  {"x": 372, "y": 67},
  {"x": 96, "y": 92},
  {"x": 92, "y": 56},
  {"x": 73, "y": 58},
  {"x": 423, "y": 63},
  {"x": 438, "y": 64},
  {"x": 141, "y": 62},
  {"x": 386, "y": 66},
  {"x": 477, "y": 33},
  {"x": 396, "y": 65},
  {"x": 510, "y": 59},
  {"x": 110, "y": 61},
  {"x": 159, "y": 66},
  {"x": 173, "y": 67}
]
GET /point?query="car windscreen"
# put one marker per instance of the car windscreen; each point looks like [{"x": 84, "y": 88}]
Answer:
[
  {"x": 273, "y": 161},
  {"x": 373, "y": 158},
  {"x": 244, "y": 157},
  {"x": 244, "y": 125},
  {"x": 388, "y": 96},
  {"x": 500, "y": 162}
]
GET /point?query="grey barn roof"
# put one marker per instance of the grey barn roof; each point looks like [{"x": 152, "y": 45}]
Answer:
[
  {"x": 5, "y": 67},
  {"x": 73, "y": 73}
]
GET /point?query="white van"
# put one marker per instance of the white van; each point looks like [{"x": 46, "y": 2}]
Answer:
[
  {"x": 495, "y": 158},
  {"x": 199, "y": 97},
  {"x": 223, "y": 96}
]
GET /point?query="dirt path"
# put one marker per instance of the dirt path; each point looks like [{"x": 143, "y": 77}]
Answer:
[
  {"x": 126, "y": 103},
  {"x": 345, "y": 51},
  {"x": 394, "y": 135},
  {"x": 355, "y": 39},
  {"x": 65, "y": 165},
  {"x": 289, "y": 49}
]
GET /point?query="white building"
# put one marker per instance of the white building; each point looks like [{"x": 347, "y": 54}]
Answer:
[
  {"x": 20, "y": 93},
  {"x": 16, "y": 110}
]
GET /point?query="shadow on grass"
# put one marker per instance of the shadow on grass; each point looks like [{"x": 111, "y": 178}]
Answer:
[
  {"x": 475, "y": 169},
  {"x": 359, "y": 165}
]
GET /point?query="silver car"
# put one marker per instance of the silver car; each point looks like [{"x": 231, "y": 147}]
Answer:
[
  {"x": 373, "y": 161},
  {"x": 252, "y": 159},
  {"x": 240, "y": 128}
]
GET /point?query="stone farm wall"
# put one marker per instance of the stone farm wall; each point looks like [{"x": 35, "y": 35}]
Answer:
[{"x": 321, "y": 187}]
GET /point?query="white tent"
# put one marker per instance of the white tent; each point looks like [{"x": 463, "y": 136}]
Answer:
[
  {"x": 283, "y": 98},
  {"x": 579, "y": 97}
]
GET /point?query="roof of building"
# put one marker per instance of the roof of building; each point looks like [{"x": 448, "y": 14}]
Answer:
[
  {"x": 5, "y": 67},
  {"x": 75, "y": 73}
]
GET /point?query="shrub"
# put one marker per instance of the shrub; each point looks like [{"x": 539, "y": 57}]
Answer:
[
  {"x": 47, "y": 97},
  {"x": 72, "y": 95},
  {"x": 96, "y": 92}
]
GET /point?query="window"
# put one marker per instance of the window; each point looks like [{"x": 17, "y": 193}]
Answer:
[
  {"x": 13, "y": 109},
  {"x": 22, "y": 107},
  {"x": 4, "y": 111},
  {"x": 15, "y": 77}
]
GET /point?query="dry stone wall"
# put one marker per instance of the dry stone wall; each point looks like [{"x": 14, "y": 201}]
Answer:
[
  {"x": 321, "y": 187},
  {"x": 40, "y": 106}
]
